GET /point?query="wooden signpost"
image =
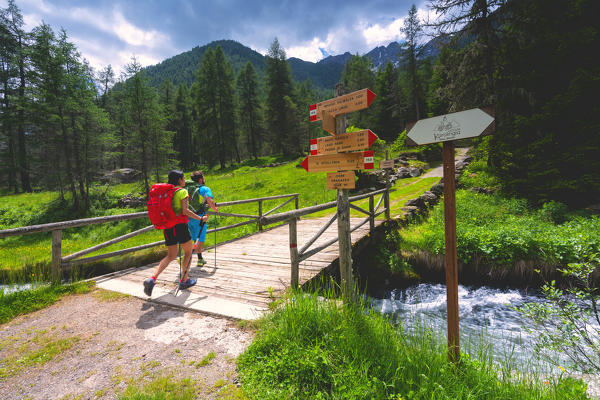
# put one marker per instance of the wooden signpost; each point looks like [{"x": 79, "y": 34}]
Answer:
[
  {"x": 383, "y": 164},
  {"x": 446, "y": 129},
  {"x": 341, "y": 180},
  {"x": 338, "y": 153},
  {"x": 344, "y": 104},
  {"x": 339, "y": 162},
  {"x": 350, "y": 141}
]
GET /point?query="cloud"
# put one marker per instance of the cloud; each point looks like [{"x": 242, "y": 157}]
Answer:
[{"x": 377, "y": 34}]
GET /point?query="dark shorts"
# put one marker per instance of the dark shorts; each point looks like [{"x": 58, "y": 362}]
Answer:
[{"x": 177, "y": 234}]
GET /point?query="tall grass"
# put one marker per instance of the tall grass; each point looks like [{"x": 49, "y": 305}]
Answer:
[{"x": 312, "y": 348}]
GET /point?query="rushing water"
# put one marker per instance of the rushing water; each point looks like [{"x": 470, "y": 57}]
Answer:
[{"x": 486, "y": 318}]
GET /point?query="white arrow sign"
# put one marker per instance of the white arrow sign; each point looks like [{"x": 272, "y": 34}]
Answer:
[{"x": 460, "y": 125}]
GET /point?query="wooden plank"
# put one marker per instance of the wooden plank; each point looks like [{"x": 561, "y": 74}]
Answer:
[{"x": 339, "y": 162}]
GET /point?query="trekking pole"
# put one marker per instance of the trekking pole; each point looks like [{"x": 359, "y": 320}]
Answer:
[
  {"x": 179, "y": 251},
  {"x": 215, "y": 240}
]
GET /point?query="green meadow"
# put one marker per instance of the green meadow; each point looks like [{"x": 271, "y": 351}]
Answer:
[{"x": 27, "y": 255}]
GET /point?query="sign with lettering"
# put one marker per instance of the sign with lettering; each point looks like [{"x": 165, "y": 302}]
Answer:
[
  {"x": 455, "y": 126},
  {"x": 354, "y": 101},
  {"x": 339, "y": 162},
  {"x": 349, "y": 141},
  {"x": 341, "y": 180},
  {"x": 386, "y": 164}
]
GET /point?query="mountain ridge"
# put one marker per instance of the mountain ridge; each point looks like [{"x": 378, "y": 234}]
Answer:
[{"x": 325, "y": 73}]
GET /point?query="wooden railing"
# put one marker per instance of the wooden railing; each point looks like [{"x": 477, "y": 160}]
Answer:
[
  {"x": 58, "y": 261},
  {"x": 291, "y": 217}
]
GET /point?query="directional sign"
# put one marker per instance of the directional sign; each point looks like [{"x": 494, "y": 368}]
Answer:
[
  {"x": 343, "y": 104},
  {"x": 386, "y": 164},
  {"x": 460, "y": 125},
  {"x": 350, "y": 141},
  {"x": 339, "y": 162},
  {"x": 328, "y": 122},
  {"x": 341, "y": 180}
]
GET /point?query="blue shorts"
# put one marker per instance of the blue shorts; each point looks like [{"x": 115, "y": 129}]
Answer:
[{"x": 195, "y": 231}]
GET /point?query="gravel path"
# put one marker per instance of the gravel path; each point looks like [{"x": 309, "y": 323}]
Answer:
[{"x": 111, "y": 342}]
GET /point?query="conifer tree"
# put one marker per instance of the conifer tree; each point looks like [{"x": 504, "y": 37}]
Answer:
[
  {"x": 388, "y": 110},
  {"x": 358, "y": 74},
  {"x": 281, "y": 120},
  {"x": 412, "y": 29},
  {"x": 249, "y": 109}
]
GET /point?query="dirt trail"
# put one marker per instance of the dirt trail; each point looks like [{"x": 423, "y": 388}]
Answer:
[{"x": 112, "y": 342}]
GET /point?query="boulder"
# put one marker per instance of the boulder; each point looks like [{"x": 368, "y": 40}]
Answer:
[
  {"x": 438, "y": 189},
  {"x": 414, "y": 172},
  {"x": 429, "y": 197},
  {"x": 122, "y": 175},
  {"x": 131, "y": 201}
]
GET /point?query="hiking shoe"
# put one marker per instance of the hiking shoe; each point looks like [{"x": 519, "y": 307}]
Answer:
[
  {"x": 201, "y": 262},
  {"x": 148, "y": 286},
  {"x": 187, "y": 284}
]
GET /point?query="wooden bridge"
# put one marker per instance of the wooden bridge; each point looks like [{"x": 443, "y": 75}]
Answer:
[{"x": 248, "y": 273}]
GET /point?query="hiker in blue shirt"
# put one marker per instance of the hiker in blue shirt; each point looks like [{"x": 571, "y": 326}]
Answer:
[{"x": 201, "y": 198}]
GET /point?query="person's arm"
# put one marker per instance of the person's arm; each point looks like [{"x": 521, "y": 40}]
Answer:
[
  {"x": 212, "y": 204},
  {"x": 186, "y": 210}
]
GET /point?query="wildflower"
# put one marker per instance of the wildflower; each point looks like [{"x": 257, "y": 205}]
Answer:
[{"x": 561, "y": 368}]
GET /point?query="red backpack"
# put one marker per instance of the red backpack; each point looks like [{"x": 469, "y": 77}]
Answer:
[{"x": 160, "y": 206}]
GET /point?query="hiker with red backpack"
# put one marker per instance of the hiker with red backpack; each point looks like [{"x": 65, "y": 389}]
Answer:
[{"x": 168, "y": 209}]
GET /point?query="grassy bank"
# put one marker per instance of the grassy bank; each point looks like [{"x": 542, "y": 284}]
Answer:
[
  {"x": 25, "y": 301},
  {"x": 502, "y": 233},
  {"x": 316, "y": 349},
  {"x": 20, "y": 256}
]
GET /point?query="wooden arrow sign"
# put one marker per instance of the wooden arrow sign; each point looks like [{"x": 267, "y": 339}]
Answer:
[
  {"x": 350, "y": 141},
  {"x": 460, "y": 125},
  {"x": 341, "y": 105},
  {"x": 341, "y": 180},
  {"x": 339, "y": 162}
]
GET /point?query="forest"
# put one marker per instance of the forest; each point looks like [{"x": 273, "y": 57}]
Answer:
[{"x": 63, "y": 124}]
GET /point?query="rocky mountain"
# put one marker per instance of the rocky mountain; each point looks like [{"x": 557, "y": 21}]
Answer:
[{"x": 323, "y": 74}]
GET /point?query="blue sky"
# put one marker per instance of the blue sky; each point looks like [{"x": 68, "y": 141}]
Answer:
[{"x": 111, "y": 32}]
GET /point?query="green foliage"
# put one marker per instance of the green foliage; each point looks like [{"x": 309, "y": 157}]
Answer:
[
  {"x": 314, "y": 348},
  {"x": 25, "y": 301},
  {"x": 501, "y": 231},
  {"x": 161, "y": 388},
  {"x": 568, "y": 320},
  {"x": 547, "y": 145}
]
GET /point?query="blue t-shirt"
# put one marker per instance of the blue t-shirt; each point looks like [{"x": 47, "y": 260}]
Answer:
[{"x": 204, "y": 192}]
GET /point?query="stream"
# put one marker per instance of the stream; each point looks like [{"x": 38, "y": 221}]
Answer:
[{"x": 486, "y": 319}]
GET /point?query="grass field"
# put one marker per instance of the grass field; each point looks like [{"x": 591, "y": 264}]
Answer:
[{"x": 21, "y": 256}]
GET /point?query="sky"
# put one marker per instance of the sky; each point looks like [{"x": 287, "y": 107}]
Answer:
[{"x": 113, "y": 31}]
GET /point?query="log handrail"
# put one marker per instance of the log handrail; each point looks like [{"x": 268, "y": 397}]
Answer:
[
  {"x": 58, "y": 261},
  {"x": 291, "y": 218}
]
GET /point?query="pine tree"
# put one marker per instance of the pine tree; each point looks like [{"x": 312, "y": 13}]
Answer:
[
  {"x": 249, "y": 109},
  {"x": 213, "y": 98},
  {"x": 412, "y": 30},
  {"x": 150, "y": 145},
  {"x": 15, "y": 43},
  {"x": 280, "y": 106},
  {"x": 182, "y": 126},
  {"x": 358, "y": 74},
  {"x": 388, "y": 110}
]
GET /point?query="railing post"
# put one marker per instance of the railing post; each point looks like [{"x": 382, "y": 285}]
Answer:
[
  {"x": 260, "y": 214},
  {"x": 56, "y": 254},
  {"x": 386, "y": 202},
  {"x": 296, "y": 201},
  {"x": 294, "y": 252},
  {"x": 371, "y": 214}
]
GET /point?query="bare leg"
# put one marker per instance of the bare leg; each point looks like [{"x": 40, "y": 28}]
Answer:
[
  {"x": 187, "y": 249},
  {"x": 171, "y": 255}
]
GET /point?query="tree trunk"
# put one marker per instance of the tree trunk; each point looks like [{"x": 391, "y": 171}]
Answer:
[
  {"x": 68, "y": 154},
  {"x": 22, "y": 155}
]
